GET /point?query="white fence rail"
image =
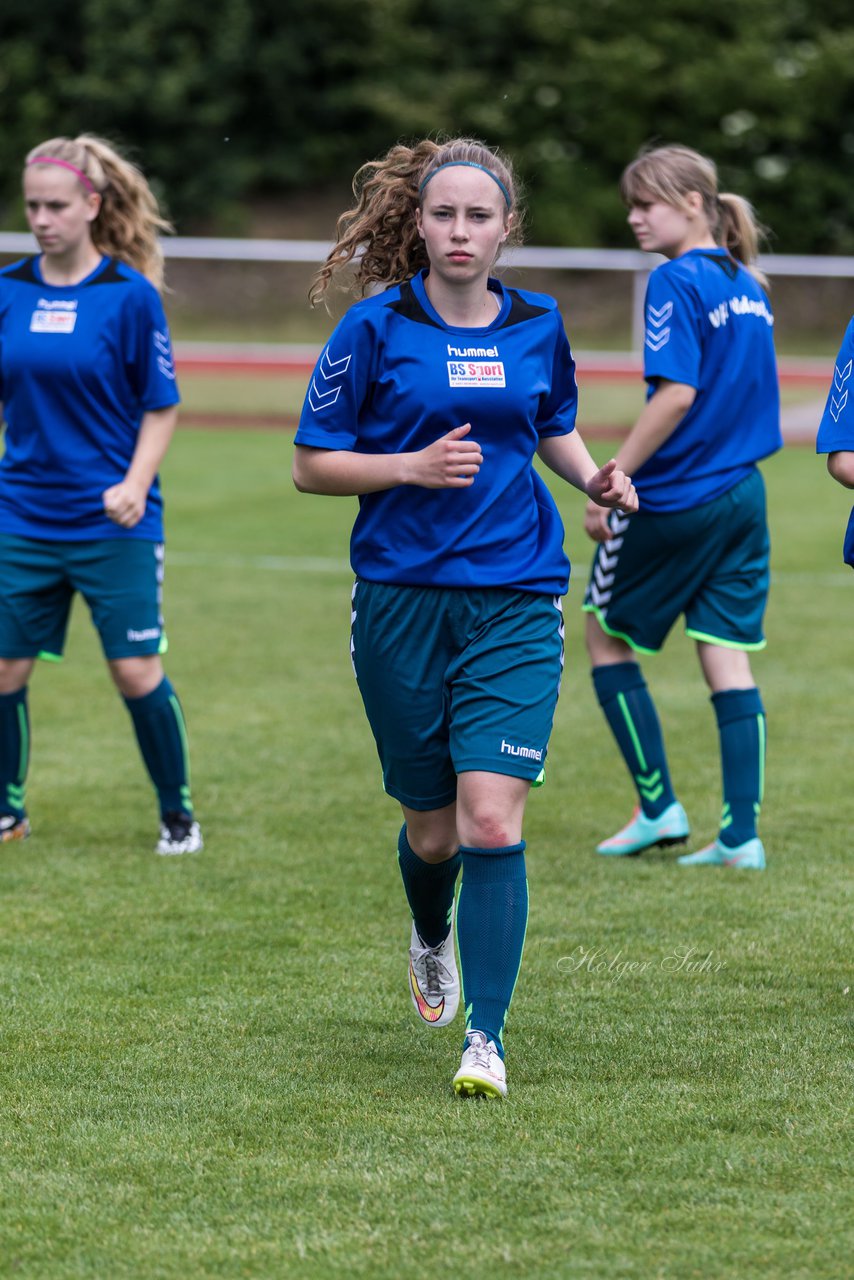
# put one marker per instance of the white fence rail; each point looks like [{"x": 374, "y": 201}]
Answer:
[{"x": 630, "y": 261}]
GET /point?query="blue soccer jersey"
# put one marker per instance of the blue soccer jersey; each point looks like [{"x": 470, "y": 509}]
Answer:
[
  {"x": 709, "y": 325},
  {"x": 836, "y": 429},
  {"x": 394, "y": 378},
  {"x": 79, "y": 366}
]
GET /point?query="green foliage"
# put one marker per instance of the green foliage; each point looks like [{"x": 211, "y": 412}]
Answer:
[{"x": 262, "y": 99}]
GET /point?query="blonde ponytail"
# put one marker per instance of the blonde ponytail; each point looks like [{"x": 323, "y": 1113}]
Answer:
[
  {"x": 129, "y": 220},
  {"x": 669, "y": 173}
]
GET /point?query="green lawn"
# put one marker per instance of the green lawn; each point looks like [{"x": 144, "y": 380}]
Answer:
[{"x": 209, "y": 1065}]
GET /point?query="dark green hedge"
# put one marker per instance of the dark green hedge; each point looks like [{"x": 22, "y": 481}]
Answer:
[{"x": 230, "y": 101}]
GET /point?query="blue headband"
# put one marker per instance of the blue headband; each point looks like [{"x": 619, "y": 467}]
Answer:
[{"x": 468, "y": 164}]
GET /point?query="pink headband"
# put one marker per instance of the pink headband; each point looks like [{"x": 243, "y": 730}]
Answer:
[{"x": 64, "y": 164}]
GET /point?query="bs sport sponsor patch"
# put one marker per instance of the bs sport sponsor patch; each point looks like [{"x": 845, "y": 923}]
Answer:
[
  {"x": 53, "y": 317},
  {"x": 476, "y": 373}
]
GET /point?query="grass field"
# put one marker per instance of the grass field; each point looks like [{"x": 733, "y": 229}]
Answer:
[{"x": 209, "y": 1065}]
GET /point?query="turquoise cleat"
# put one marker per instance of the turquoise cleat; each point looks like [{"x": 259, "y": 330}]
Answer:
[
  {"x": 670, "y": 827},
  {"x": 749, "y": 856}
]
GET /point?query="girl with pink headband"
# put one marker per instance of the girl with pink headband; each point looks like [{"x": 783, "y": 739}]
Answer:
[
  {"x": 64, "y": 164},
  {"x": 90, "y": 405},
  {"x": 127, "y": 222}
]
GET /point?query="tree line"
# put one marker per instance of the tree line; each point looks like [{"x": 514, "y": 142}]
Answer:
[{"x": 252, "y": 99}]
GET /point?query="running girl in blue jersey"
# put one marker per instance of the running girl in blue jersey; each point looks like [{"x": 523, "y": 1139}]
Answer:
[
  {"x": 836, "y": 430},
  {"x": 431, "y": 401},
  {"x": 699, "y": 544},
  {"x": 89, "y": 401}
]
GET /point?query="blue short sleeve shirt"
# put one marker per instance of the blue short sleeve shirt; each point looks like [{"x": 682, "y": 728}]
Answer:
[
  {"x": 79, "y": 367},
  {"x": 709, "y": 325},
  {"x": 836, "y": 429},
  {"x": 395, "y": 378}
]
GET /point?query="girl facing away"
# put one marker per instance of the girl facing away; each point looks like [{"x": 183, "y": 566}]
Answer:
[
  {"x": 430, "y": 402},
  {"x": 90, "y": 405},
  {"x": 699, "y": 544}
]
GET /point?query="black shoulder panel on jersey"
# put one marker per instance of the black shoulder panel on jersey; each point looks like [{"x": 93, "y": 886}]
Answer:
[
  {"x": 110, "y": 275},
  {"x": 408, "y": 306},
  {"x": 23, "y": 271},
  {"x": 520, "y": 310},
  {"x": 728, "y": 265}
]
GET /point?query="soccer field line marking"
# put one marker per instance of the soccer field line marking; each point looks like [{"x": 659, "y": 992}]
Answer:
[
  {"x": 273, "y": 564},
  {"x": 329, "y": 564}
]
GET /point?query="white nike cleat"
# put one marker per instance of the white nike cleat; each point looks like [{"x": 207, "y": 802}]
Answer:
[
  {"x": 14, "y": 827},
  {"x": 179, "y": 833},
  {"x": 482, "y": 1073},
  {"x": 434, "y": 983}
]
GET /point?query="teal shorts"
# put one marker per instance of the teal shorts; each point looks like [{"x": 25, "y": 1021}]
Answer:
[
  {"x": 710, "y": 563},
  {"x": 455, "y": 680},
  {"x": 121, "y": 580}
]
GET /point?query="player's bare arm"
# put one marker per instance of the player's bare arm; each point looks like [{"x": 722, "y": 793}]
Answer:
[
  {"x": 569, "y": 458},
  {"x": 451, "y": 462},
  {"x": 840, "y": 464},
  {"x": 656, "y": 422},
  {"x": 125, "y": 502}
]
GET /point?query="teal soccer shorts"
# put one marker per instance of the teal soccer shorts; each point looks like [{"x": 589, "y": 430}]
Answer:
[
  {"x": 121, "y": 580},
  {"x": 709, "y": 563},
  {"x": 454, "y": 680}
]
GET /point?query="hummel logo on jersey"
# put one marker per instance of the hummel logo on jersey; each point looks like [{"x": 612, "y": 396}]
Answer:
[
  {"x": 331, "y": 371},
  {"x": 838, "y": 403},
  {"x": 463, "y": 353},
  {"x": 657, "y": 336}
]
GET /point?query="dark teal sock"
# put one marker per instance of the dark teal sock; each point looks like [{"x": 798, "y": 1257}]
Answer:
[
  {"x": 162, "y": 737},
  {"x": 492, "y": 917},
  {"x": 14, "y": 751},
  {"x": 630, "y": 712},
  {"x": 741, "y": 726},
  {"x": 429, "y": 890}
]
